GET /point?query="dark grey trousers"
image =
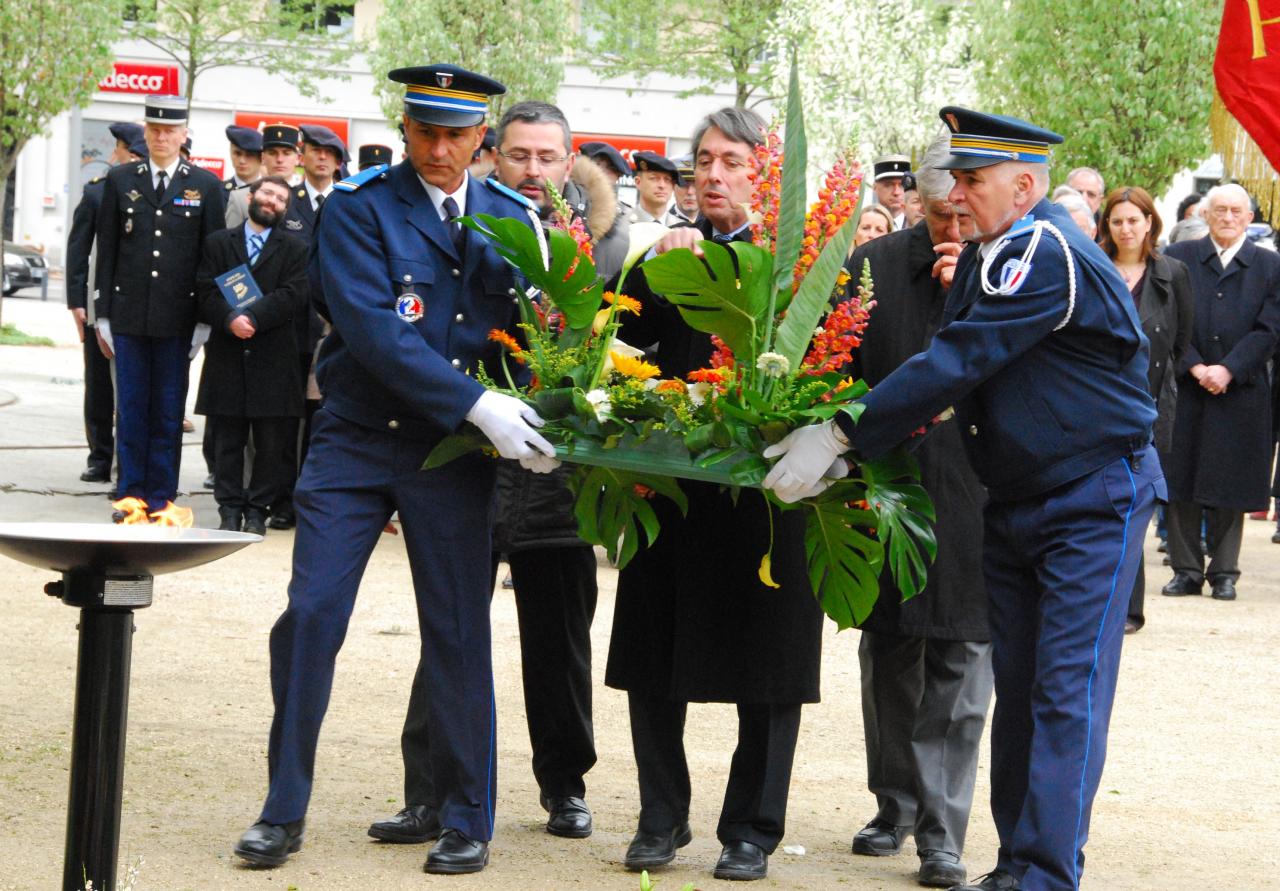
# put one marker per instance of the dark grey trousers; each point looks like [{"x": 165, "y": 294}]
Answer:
[
  {"x": 1223, "y": 532},
  {"x": 924, "y": 704}
]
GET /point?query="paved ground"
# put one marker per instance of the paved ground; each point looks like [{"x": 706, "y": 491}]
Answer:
[{"x": 1190, "y": 798}]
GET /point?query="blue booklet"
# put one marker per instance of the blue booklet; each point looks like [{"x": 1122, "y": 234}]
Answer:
[{"x": 239, "y": 288}]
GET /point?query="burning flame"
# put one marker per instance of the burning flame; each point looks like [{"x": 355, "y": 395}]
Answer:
[{"x": 135, "y": 513}]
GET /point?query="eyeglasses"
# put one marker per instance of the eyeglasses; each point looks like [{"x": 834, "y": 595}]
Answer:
[{"x": 522, "y": 158}]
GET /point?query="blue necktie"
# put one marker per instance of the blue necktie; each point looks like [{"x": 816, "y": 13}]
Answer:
[
  {"x": 255, "y": 247},
  {"x": 455, "y": 228}
]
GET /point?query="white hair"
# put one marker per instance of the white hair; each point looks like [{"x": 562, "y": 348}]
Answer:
[
  {"x": 1080, "y": 211},
  {"x": 1064, "y": 189},
  {"x": 1228, "y": 191},
  {"x": 1102, "y": 185},
  {"x": 932, "y": 183}
]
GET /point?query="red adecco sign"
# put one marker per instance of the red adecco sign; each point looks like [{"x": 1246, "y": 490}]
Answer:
[
  {"x": 256, "y": 120},
  {"x": 136, "y": 77},
  {"x": 627, "y": 145}
]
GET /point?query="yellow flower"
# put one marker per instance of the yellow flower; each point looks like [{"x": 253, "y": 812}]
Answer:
[
  {"x": 636, "y": 368},
  {"x": 625, "y": 303}
]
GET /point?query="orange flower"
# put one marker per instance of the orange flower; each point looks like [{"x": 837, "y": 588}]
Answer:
[
  {"x": 643, "y": 491},
  {"x": 709, "y": 375},
  {"x": 497, "y": 335},
  {"x": 671, "y": 386},
  {"x": 636, "y": 368},
  {"x": 625, "y": 303}
]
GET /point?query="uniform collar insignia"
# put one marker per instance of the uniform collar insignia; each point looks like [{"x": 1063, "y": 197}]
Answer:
[
  {"x": 184, "y": 169},
  {"x": 302, "y": 191},
  {"x": 1023, "y": 225},
  {"x": 142, "y": 168},
  {"x": 293, "y": 224}
]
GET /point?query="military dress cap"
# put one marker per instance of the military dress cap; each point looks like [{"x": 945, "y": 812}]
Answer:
[
  {"x": 186, "y": 145},
  {"x": 319, "y": 135},
  {"x": 245, "y": 138},
  {"x": 652, "y": 162},
  {"x": 684, "y": 164},
  {"x": 165, "y": 110},
  {"x": 126, "y": 132},
  {"x": 980, "y": 140},
  {"x": 280, "y": 135},
  {"x": 139, "y": 147},
  {"x": 611, "y": 156},
  {"x": 908, "y": 182},
  {"x": 446, "y": 95},
  {"x": 891, "y": 166},
  {"x": 374, "y": 153}
]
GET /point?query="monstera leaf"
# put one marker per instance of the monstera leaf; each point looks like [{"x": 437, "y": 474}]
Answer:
[
  {"x": 844, "y": 559},
  {"x": 612, "y": 507},
  {"x": 574, "y": 289},
  {"x": 717, "y": 295},
  {"x": 905, "y": 516}
]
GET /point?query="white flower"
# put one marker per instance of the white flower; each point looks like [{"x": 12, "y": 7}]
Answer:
[
  {"x": 773, "y": 364},
  {"x": 599, "y": 401},
  {"x": 698, "y": 392}
]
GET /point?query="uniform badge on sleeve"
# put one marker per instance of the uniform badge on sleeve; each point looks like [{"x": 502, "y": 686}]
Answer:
[
  {"x": 409, "y": 307},
  {"x": 1013, "y": 274}
]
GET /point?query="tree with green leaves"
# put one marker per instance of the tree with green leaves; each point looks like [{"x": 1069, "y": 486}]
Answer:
[
  {"x": 711, "y": 42},
  {"x": 519, "y": 43},
  {"x": 52, "y": 55},
  {"x": 1128, "y": 84},
  {"x": 288, "y": 38}
]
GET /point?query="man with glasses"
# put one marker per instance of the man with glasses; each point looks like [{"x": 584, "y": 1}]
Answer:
[
  {"x": 1088, "y": 182},
  {"x": 1220, "y": 463}
]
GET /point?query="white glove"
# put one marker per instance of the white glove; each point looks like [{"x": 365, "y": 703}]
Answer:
[
  {"x": 511, "y": 427},
  {"x": 104, "y": 335},
  {"x": 807, "y": 455},
  {"x": 198, "y": 338}
]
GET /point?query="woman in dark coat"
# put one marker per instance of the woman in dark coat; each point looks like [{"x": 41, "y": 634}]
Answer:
[
  {"x": 1161, "y": 290},
  {"x": 694, "y": 623}
]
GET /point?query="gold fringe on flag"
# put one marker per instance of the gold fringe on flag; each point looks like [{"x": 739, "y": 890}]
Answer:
[{"x": 1244, "y": 162}]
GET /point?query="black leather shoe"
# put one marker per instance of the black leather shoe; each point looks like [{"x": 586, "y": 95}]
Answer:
[
  {"x": 940, "y": 869},
  {"x": 412, "y": 826},
  {"x": 208, "y": 482},
  {"x": 282, "y": 520},
  {"x": 741, "y": 861},
  {"x": 568, "y": 816},
  {"x": 255, "y": 522},
  {"x": 455, "y": 854},
  {"x": 270, "y": 844},
  {"x": 879, "y": 838},
  {"x": 1224, "y": 589},
  {"x": 232, "y": 520},
  {"x": 95, "y": 475},
  {"x": 997, "y": 880},
  {"x": 650, "y": 850},
  {"x": 1182, "y": 586},
  {"x": 1275, "y": 537}
]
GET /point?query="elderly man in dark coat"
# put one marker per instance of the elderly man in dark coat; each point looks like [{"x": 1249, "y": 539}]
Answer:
[
  {"x": 1220, "y": 465},
  {"x": 692, "y": 620},
  {"x": 926, "y": 663},
  {"x": 251, "y": 381}
]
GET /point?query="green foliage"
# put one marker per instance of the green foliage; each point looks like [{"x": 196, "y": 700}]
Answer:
[
  {"x": 520, "y": 43},
  {"x": 285, "y": 38},
  {"x": 904, "y": 514},
  {"x": 1128, "y": 84},
  {"x": 791, "y": 201},
  {"x": 11, "y": 336},
  {"x": 712, "y": 42},
  {"x": 612, "y": 507},
  {"x": 844, "y": 560}
]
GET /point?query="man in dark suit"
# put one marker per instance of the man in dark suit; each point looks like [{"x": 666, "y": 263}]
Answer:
[
  {"x": 1220, "y": 464},
  {"x": 152, "y": 225},
  {"x": 322, "y": 154},
  {"x": 99, "y": 393},
  {"x": 926, "y": 663},
  {"x": 250, "y": 382},
  {"x": 692, "y": 620},
  {"x": 412, "y": 296}
]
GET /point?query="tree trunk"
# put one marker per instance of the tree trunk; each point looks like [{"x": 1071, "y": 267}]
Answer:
[{"x": 7, "y": 162}]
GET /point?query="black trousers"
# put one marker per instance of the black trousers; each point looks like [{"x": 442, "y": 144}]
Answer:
[
  {"x": 270, "y": 469},
  {"x": 755, "y": 797},
  {"x": 99, "y": 405},
  {"x": 555, "y": 591},
  {"x": 297, "y": 445},
  {"x": 1138, "y": 596},
  {"x": 924, "y": 704},
  {"x": 1224, "y": 530}
]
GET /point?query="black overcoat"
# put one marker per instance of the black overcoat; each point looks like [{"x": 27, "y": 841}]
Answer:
[
  {"x": 149, "y": 247},
  {"x": 258, "y": 377},
  {"x": 908, "y": 311},
  {"x": 692, "y": 621},
  {"x": 300, "y": 220},
  {"x": 1221, "y": 455},
  {"x": 1165, "y": 307}
]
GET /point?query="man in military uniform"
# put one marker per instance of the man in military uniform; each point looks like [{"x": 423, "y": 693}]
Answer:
[
  {"x": 608, "y": 159},
  {"x": 485, "y": 158},
  {"x": 372, "y": 154},
  {"x": 412, "y": 296},
  {"x": 280, "y": 152},
  {"x": 685, "y": 208},
  {"x": 151, "y": 228},
  {"x": 246, "y": 159},
  {"x": 887, "y": 185},
  {"x": 99, "y": 394},
  {"x": 322, "y": 153},
  {"x": 1042, "y": 355},
  {"x": 656, "y": 179}
]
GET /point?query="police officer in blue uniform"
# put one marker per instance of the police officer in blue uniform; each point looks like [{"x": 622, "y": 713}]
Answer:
[
  {"x": 151, "y": 229},
  {"x": 412, "y": 296},
  {"x": 1042, "y": 355}
]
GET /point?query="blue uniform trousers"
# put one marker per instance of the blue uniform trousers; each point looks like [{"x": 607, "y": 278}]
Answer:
[
  {"x": 1059, "y": 570},
  {"x": 151, "y": 390},
  {"x": 354, "y": 478}
]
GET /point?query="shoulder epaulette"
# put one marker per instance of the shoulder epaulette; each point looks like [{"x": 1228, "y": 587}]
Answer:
[
  {"x": 96, "y": 179},
  {"x": 510, "y": 193},
  {"x": 356, "y": 180}
]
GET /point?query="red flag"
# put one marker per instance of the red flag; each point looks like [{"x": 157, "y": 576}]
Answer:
[{"x": 1247, "y": 70}]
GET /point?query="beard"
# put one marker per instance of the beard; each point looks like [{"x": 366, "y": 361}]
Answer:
[{"x": 264, "y": 217}]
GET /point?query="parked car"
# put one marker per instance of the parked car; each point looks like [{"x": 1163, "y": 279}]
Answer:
[{"x": 24, "y": 267}]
